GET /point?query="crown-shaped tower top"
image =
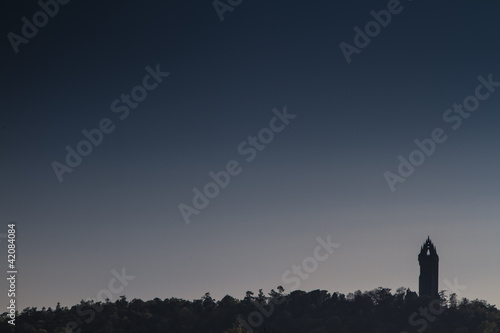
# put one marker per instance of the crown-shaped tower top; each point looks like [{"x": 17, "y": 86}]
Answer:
[{"x": 428, "y": 249}]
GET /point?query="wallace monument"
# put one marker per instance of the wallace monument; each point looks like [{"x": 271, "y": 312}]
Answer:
[{"x": 429, "y": 270}]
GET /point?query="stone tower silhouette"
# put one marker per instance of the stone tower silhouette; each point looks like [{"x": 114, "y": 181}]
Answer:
[{"x": 429, "y": 270}]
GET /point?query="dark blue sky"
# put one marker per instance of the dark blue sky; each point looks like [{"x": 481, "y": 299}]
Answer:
[{"x": 322, "y": 175}]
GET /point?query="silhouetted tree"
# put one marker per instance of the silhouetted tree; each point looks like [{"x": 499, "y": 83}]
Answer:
[{"x": 317, "y": 311}]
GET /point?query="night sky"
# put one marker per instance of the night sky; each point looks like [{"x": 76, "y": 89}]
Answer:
[{"x": 205, "y": 89}]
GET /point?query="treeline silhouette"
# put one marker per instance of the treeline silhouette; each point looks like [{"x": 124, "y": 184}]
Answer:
[{"x": 375, "y": 311}]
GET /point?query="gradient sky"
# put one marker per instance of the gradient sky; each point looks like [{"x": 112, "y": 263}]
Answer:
[{"x": 322, "y": 175}]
